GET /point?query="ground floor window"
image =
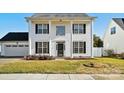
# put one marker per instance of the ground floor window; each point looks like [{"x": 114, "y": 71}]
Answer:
[
  {"x": 79, "y": 47},
  {"x": 42, "y": 47}
]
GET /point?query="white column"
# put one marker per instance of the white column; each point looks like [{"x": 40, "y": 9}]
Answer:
[
  {"x": 29, "y": 37},
  {"x": 50, "y": 42},
  {"x": 71, "y": 34},
  {"x": 92, "y": 40}
]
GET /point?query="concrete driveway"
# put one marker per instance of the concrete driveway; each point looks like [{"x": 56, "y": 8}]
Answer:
[{"x": 61, "y": 77}]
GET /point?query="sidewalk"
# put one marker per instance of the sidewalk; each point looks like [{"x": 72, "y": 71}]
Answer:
[
  {"x": 61, "y": 77},
  {"x": 45, "y": 77}
]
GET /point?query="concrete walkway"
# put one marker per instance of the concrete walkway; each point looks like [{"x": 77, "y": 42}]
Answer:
[
  {"x": 45, "y": 77},
  {"x": 61, "y": 77}
]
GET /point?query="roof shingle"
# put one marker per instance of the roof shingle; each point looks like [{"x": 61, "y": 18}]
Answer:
[
  {"x": 119, "y": 21},
  {"x": 15, "y": 36},
  {"x": 49, "y": 16}
]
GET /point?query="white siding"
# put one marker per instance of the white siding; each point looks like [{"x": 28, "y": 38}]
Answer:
[
  {"x": 84, "y": 37},
  {"x": 115, "y": 41},
  {"x": 52, "y": 38}
]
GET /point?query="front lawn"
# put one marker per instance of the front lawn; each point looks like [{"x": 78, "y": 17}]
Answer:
[{"x": 64, "y": 66}]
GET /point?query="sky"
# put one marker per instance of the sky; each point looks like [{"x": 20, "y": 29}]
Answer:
[{"x": 15, "y": 22}]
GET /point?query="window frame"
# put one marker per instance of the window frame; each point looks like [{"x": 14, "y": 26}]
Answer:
[
  {"x": 8, "y": 45},
  {"x": 41, "y": 48},
  {"x": 20, "y": 45},
  {"x": 113, "y": 30},
  {"x": 45, "y": 47},
  {"x": 74, "y": 48},
  {"x": 79, "y": 47},
  {"x": 26, "y": 45},
  {"x": 59, "y": 34},
  {"x": 14, "y": 46},
  {"x": 42, "y": 28},
  {"x": 77, "y": 30}
]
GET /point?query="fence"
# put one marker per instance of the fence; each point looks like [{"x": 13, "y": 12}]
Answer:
[{"x": 97, "y": 52}]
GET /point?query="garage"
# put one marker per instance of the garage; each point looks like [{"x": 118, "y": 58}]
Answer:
[
  {"x": 16, "y": 50},
  {"x": 15, "y": 44}
]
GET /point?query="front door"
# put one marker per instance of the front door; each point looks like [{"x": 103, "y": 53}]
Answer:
[{"x": 60, "y": 50}]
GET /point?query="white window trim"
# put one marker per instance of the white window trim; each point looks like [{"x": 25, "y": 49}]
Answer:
[
  {"x": 78, "y": 28},
  {"x": 42, "y": 47},
  {"x": 44, "y": 26},
  {"x": 79, "y": 47},
  {"x": 60, "y": 26}
]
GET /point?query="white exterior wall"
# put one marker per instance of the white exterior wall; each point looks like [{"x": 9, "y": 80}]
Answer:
[
  {"x": 115, "y": 41},
  {"x": 14, "y": 51},
  {"x": 68, "y": 39},
  {"x": 85, "y": 37}
]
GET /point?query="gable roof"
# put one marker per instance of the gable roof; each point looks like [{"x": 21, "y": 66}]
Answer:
[
  {"x": 59, "y": 15},
  {"x": 119, "y": 21},
  {"x": 15, "y": 36}
]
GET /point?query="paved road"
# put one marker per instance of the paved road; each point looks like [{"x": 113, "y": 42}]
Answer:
[{"x": 61, "y": 77}]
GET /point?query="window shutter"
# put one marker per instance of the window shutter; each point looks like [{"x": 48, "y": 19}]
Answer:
[
  {"x": 84, "y": 47},
  {"x": 36, "y": 28},
  {"x": 73, "y": 28},
  {"x": 48, "y": 28},
  {"x": 36, "y": 43},
  {"x": 84, "y": 28},
  {"x": 48, "y": 47}
]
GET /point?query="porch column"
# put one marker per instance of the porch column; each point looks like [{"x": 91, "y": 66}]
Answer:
[
  {"x": 71, "y": 34},
  {"x": 50, "y": 42},
  {"x": 29, "y": 37},
  {"x": 92, "y": 40}
]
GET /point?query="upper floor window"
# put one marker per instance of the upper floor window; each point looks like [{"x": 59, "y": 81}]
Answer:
[
  {"x": 79, "y": 28},
  {"x": 42, "y": 28},
  {"x": 113, "y": 30},
  {"x": 60, "y": 30}
]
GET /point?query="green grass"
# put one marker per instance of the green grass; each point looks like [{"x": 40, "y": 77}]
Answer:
[{"x": 63, "y": 66}]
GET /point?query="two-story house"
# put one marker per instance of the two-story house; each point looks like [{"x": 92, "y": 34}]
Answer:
[
  {"x": 61, "y": 34},
  {"x": 53, "y": 34}
]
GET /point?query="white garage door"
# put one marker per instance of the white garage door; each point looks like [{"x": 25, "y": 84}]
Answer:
[{"x": 16, "y": 50}]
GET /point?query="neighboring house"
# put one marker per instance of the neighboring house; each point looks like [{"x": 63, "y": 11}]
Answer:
[
  {"x": 61, "y": 34},
  {"x": 15, "y": 44},
  {"x": 114, "y": 36},
  {"x": 0, "y": 50}
]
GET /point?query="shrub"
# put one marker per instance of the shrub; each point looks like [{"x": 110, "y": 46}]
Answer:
[
  {"x": 38, "y": 57},
  {"x": 110, "y": 53},
  {"x": 122, "y": 55}
]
